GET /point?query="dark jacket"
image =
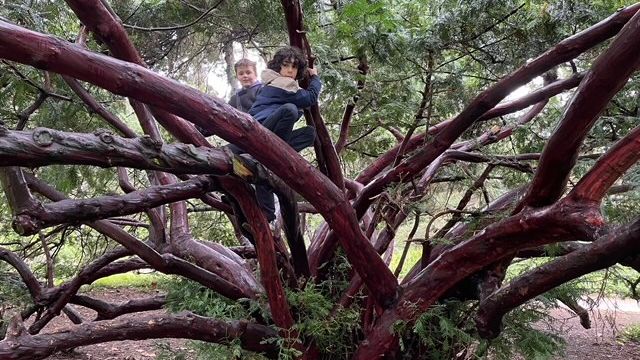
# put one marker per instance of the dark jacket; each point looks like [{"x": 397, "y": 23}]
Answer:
[
  {"x": 279, "y": 90},
  {"x": 243, "y": 99}
]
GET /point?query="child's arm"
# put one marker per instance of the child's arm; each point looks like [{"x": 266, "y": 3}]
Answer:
[{"x": 306, "y": 98}]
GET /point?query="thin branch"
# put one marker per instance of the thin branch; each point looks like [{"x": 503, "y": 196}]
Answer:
[{"x": 177, "y": 27}]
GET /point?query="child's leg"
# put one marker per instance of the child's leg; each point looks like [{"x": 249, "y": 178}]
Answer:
[
  {"x": 264, "y": 195},
  {"x": 235, "y": 149},
  {"x": 302, "y": 138},
  {"x": 282, "y": 120}
]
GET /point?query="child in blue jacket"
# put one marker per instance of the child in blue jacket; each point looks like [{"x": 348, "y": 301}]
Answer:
[
  {"x": 280, "y": 101},
  {"x": 279, "y": 105}
]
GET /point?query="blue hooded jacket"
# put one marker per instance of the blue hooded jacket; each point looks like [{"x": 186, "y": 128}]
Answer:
[{"x": 279, "y": 90}]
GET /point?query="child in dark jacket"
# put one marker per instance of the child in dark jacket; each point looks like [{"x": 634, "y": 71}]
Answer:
[
  {"x": 280, "y": 101},
  {"x": 247, "y": 75},
  {"x": 279, "y": 105}
]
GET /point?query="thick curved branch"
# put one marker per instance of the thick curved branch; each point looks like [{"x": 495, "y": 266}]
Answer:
[
  {"x": 601, "y": 254},
  {"x": 109, "y": 311},
  {"x": 47, "y": 146},
  {"x": 214, "y": 278},
  {"x": 104, "y": 23},
  {"x": 610, "y": 167},
  {"x": 266, "y": 254},
  {"x": 500, "y": 240},
  {"x": 21, "y": 346},
  {"x": 212, "y": 114},
  {"x": 29, "y": 279},
  {"x": 563, "y": 51},
  {"x": 607, "y": 76},
  {"x": 30, "y": 221}
]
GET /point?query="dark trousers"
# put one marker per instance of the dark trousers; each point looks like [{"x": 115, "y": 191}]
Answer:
[{"x": 281, "y": 122}]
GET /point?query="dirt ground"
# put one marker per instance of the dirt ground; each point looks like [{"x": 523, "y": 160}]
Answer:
[
  {"x": 117, "y": 350},
  {"x": 597, "y": 343}
]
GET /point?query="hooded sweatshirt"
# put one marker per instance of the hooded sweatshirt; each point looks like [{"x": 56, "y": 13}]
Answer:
[{"x": 279, "y": 90}]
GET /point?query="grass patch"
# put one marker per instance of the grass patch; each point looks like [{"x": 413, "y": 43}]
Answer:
[
  {"x": 130, "y": 280},
  {"x": 413, "y": 256}
]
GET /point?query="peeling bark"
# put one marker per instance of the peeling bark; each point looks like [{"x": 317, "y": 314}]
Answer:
[{"x": 20, "y": 346}]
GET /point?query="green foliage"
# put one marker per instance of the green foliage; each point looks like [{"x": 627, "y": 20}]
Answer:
[
  {"x": 183, "y": 294},
  {"x": 438, "y": 332},
  {"x": 335, "y": 335},
  {"x": 13, "y": 296},
  {"x": 447, "y": 331},
  {"x": 630, "y": 334},
  {"x": 167, "y": 352}
]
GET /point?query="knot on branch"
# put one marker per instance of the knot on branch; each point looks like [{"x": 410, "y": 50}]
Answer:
[
  {"x": 105, "y": 136},
  {"x": 25, "y": 225},
  {"x": 148, "y": 141},
  {"x": 191, "y": 150},
  {"x": 43, "y": 137}
]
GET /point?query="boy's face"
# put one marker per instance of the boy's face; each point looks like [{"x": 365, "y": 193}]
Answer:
[
  {"x": 246, "y": 75},
  {"x": 289, "y": 69}
]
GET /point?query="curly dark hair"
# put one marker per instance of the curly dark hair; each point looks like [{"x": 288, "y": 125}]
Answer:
[{"x": 289, "y": 54}]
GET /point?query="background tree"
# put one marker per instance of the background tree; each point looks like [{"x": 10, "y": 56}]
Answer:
[{"x": 422, "y": 125}]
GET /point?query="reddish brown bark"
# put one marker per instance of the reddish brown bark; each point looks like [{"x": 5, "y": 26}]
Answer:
[
  {"x": 298, "y": 38},
  {"x": 18, "y": 345},
  {"x": 224, "y": 272},
  {"x": 609, "y": 168},
  {"x": 265, "y": 250},
  {"x": 501, "y": 109},
  {"x": 210, "y": 113},
  {"x": 47, "y": 146},
  {"x": 109, "y": 311},
  {"x": 108, "y": 28},
  {"x": 602, "y": 253},
  {"x": 214, "y": 277},
  {"x": 563, "y": 51},
  {"x": 500, "y": 240},
  {"x": 607, "y": 76},
  {"x": 29, "y": 222}
]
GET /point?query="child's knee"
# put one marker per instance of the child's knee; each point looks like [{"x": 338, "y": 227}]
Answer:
[
  {"x": 310, "y": 132},
  {"x": 290, "y": 108}
]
